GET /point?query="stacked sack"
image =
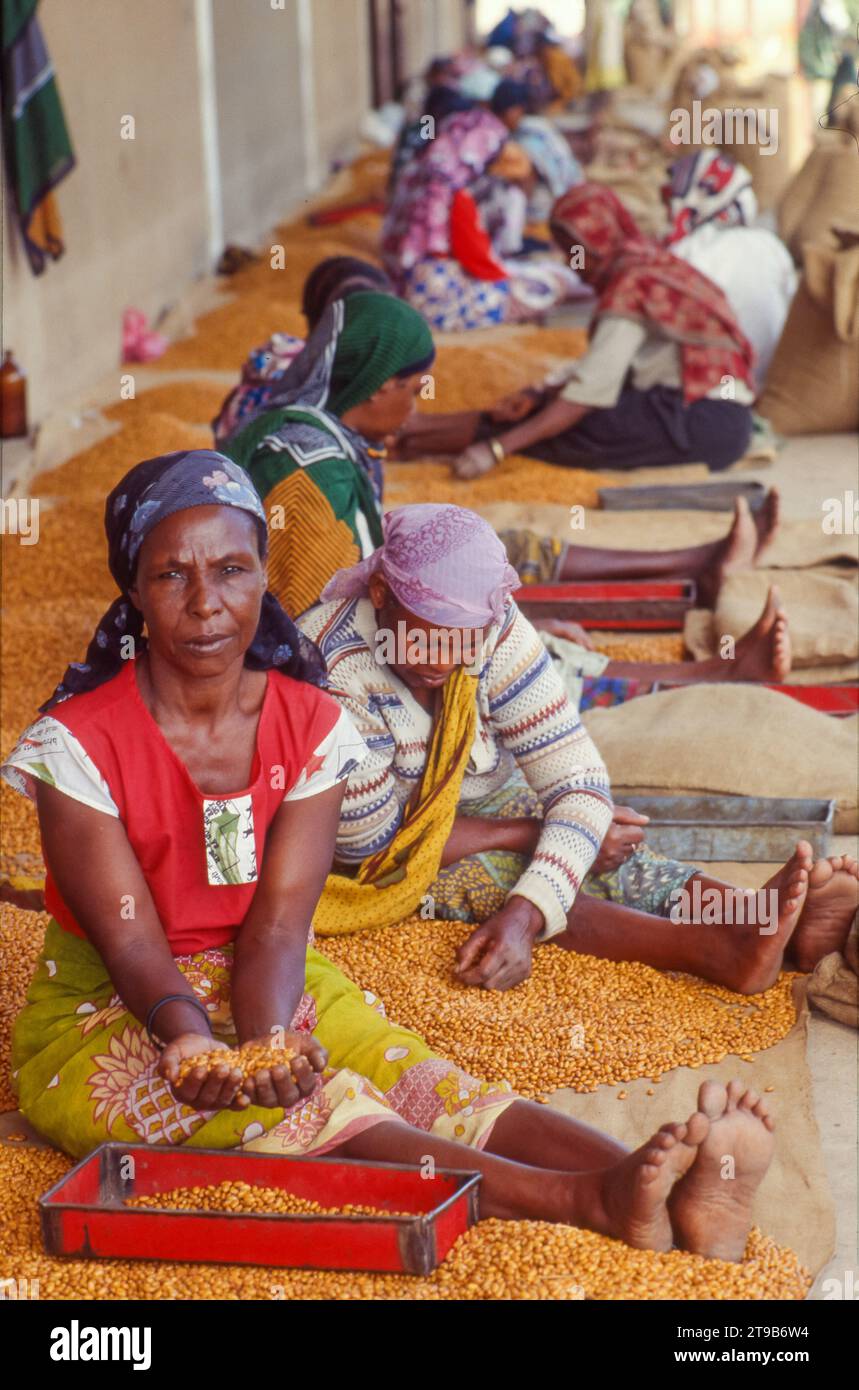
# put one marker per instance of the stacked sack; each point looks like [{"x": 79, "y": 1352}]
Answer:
[
  {"x": 649, "y": 47},
  {"x": 768, "y": 140},
  {"x": 812, "y": 386},
  {"x": 633, "y": 163},
  {"x": 826, "y": 189}
]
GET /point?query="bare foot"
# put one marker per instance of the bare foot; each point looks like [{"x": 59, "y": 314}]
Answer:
[
  {"x": 833, "y": 897},
  {"x": 711, "y": 1207},
  {"x": 737, "y": 553},
  {"x": 767, "y": 521},
  {"x": 746, "y": 955},
  {"x": 764, "y": 653},
  {"x": 634, "y": 1192}
]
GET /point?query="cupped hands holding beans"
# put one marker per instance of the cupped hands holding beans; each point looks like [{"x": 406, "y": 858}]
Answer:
[{"x": 209, "y": 1075}]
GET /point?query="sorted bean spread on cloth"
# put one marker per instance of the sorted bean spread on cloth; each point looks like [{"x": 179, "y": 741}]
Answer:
[
  {"x": 247, "y": 1197},
  {"x": 516, "y": 479},
  {"x": 250, "y": 1059},
  {"x": 493, "y": 1260},
  {"x": 661, "y": 646},
  {"x": 578, "y": 1021}
]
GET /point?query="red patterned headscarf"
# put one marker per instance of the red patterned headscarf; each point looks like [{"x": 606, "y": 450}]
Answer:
[{"x": 638, "y": 279}]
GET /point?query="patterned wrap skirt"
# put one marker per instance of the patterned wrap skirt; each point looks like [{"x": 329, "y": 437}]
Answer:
[
  {"x": 86, "y": 1071},
  {"x": 453, "y": 301},
  {"x": 474, "y": 888}
]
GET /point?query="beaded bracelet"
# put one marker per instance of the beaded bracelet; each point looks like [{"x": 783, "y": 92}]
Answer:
[{"x": 171, "y": 999}]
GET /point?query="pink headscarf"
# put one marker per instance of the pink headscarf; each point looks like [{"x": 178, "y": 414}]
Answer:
[{"x": 443, "y": 563}]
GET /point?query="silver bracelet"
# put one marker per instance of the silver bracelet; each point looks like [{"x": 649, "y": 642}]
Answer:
[{"x": 497, "y": 448}]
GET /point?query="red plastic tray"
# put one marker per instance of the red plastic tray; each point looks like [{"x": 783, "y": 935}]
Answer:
[
  {"x": 625, "y": 605},
  {"x": 83, "y": 1214}
]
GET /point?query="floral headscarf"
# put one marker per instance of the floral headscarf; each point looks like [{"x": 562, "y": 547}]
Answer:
[
  {"x": 146, "y": 496},
  {"x": 638, "y": 279},
  {"x": 418, "y": 220},
  {"x": 708, "y": 189},
  {"x": 444, "y": 563}
]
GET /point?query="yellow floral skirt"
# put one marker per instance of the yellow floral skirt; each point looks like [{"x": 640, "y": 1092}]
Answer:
[{"x": 85, "y": 1070}]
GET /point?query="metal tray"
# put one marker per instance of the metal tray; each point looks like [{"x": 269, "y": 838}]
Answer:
[
  {"x": 635, "y": 605},
  {"x": 691, "y": 497},
  {"x": 83, "y": 1214},
  {"x": 748, "y": 829}
]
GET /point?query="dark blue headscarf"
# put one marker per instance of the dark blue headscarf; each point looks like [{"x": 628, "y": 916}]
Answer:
[
  {"x": 151, "y": 492},
  {"x": 510, "y": 93}
]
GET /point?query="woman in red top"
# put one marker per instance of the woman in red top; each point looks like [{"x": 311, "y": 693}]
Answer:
[
  {"x": 189, "y": 788},
  {"x": 453, "y": 231}
]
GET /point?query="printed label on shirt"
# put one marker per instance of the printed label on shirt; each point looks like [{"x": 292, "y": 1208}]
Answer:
[{"x": 230, "y": 846}]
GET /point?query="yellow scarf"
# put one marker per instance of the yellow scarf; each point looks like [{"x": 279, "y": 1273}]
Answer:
[{"x": 389, "y": 886}]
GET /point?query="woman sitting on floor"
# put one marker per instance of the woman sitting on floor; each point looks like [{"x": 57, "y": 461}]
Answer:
[
  {"x": 483, "y": 790},
  {"x": 334, "y": 278},
  {"x": 315, "y": 456},
  {"x": 183, "y": 877},
  {"x": 667, "y": 377},
  {"x": 556, "y": 168},
  {"x": 416, "y": 136},
  {"x": 440, "y": 254},
  {"x": 711, "y": 204},
  {"x": 315, "y": 452}
]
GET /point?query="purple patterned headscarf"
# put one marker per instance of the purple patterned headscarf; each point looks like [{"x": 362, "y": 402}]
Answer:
[
  {"x": 444, "y": 563},
  {"x": 418, "y": 220},
  {"x": 147, "y": 495}
]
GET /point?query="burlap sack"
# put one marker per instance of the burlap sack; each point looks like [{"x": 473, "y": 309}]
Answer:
[
  {"x": 638, "y": 190},
  {"x": 770, "y": 167},
  {"x": 701, "y": 641},
  {"x": 834, "y": 985},
  {"x": 822, "y": 608},
  {"x": 740, "y": 740},
  {"x": 812, "y": 386},
  {"x": 644, "y": 63},
  {"x": 823, "y": 191}
]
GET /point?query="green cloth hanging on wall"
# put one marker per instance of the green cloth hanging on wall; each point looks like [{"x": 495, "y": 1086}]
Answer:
[{"x": 36, "y": 144}]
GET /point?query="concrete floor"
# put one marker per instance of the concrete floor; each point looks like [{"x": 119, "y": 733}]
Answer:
[{"x": 833, "y": 1060}]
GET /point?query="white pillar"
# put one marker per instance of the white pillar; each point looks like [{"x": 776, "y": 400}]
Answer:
[
  {"x": 312, "y": 172},
  {"x": 209, "y": 126}
]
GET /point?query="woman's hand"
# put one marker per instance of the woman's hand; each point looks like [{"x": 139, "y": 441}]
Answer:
[
  {"x": 622, "y": 838},
  {"x": 517, "y": 406},
  {"x": 564, "y": 627},
  {"x": 283, "y": 1086},
  {"x": 474, "y": 462},
  {"x": 218, "y": 1089},
  {"x": 498, "y": 954}
]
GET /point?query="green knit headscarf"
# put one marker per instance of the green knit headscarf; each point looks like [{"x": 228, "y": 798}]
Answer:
[{"x": 381, "y": 337}]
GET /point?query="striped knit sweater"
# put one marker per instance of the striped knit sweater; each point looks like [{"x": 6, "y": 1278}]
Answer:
[{"x": 524, "y": 719}]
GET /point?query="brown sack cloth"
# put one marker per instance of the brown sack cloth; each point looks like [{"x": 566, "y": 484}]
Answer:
[
  {"x": 740, "y": 740},
  {"x": 812, "y": 386},
  {"x": 825, "y": 190},
  {"x": 822, "y": 608},
  {"x": 834, "y": 986},
  {"x": 770, "y": 169},
  {"x": 700, "y": 641},
  {"x": 798, "y": 545}
]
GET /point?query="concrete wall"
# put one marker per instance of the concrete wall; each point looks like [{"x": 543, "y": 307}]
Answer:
[
  {"x": 341, "y": 75},
  {"x": 134, "y": 211},
  {"x": 290, "y": 85},
  {"x": 261, "y": 124}
]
